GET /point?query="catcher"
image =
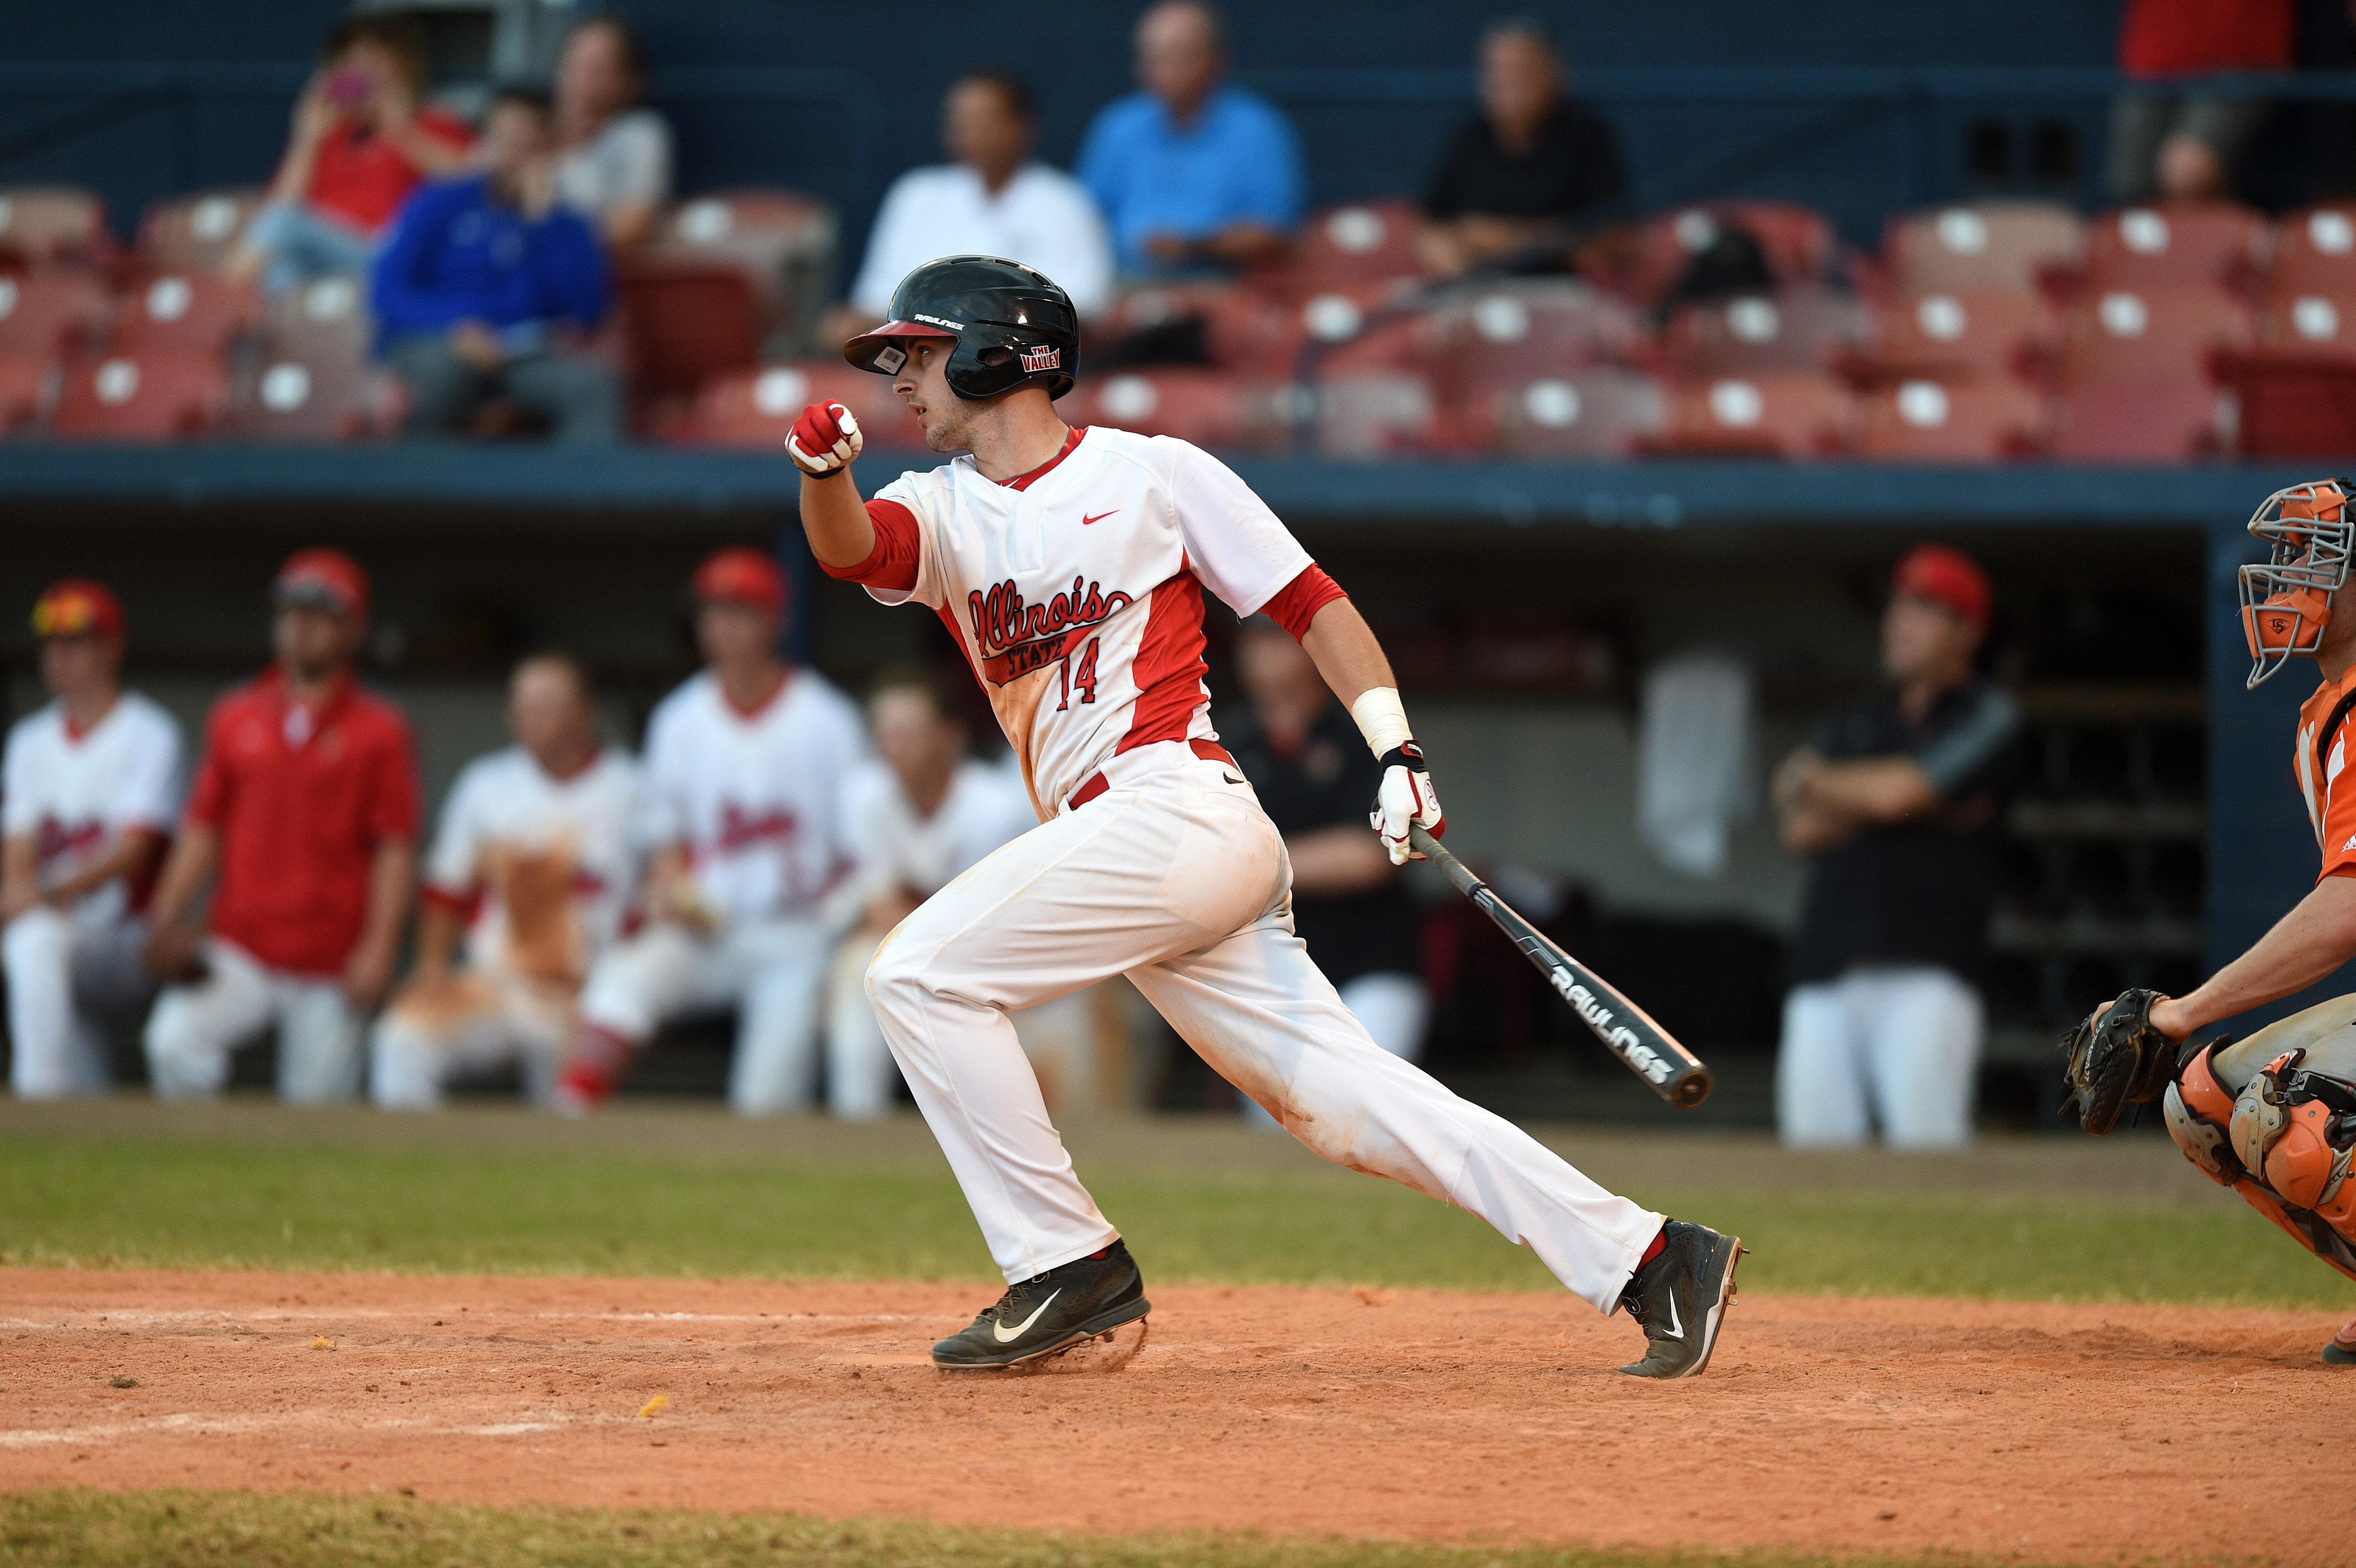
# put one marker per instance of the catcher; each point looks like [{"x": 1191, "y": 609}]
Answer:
[{"x": 2273, "y": 1116}]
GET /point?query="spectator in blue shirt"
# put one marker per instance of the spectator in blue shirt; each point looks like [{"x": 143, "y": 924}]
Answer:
[
  {"x": 1191, "y": 173},
  {"x": 489, "y": 287}
]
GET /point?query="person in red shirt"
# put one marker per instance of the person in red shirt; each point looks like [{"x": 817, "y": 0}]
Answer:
[
  {"x": 360, "y": 145},
  {"x": 2172, "y": 144},
  {"x": 304, "y": 819}
]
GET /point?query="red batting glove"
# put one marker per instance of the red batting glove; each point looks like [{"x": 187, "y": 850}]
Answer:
[{"x": 824, "y": 439}]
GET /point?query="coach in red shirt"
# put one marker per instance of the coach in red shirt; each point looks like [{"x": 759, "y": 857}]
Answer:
[{"x": 304, "y": 818}]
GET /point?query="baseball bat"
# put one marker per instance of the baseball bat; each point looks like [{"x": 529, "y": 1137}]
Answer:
[{"x": 1647, "y": 1050}]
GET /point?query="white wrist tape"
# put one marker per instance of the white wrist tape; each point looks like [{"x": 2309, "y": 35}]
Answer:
[{"x": 1381, "y": 719}]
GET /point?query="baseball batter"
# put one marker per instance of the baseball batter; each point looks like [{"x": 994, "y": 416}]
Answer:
[
  {"x": 1070, "y": 565},
  {"x": 534, "y": 863},
  {"x": 2273, "y": 1116}
]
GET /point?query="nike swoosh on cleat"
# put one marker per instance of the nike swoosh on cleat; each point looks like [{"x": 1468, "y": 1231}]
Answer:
[
  {"x": 1006, "y": 1337},
  {"x": 1676, "y": 1328},
  {"x": 1100, "y": 516}
]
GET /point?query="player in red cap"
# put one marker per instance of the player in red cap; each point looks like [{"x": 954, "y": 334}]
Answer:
[
  {"x": 304, "y": 819},
  {"x": 1894, "y": 799},
  {"x": 741, "y": 790},
  {"x": 92, "y": 784}
]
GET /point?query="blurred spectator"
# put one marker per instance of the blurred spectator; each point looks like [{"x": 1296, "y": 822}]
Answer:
[
  {"x": 487, "y": 288},
  {"x": 361, "y": 144},
  {"x": 1315, "y": 779},
  {"x": 534, "y": 865},
  {"x": 993, "y": 200},
  {"x": 304, "y": 818},
  {"x": 1896, "y": 802},
  {"x": 917, "y": 817},
  {"x": 1190, "y": 172},
  {"x": 743, "y": 817},
  {"x": 2177, "y": 143},
  {"x": 1515, "y": 170},
  {"x": 613, "y": 160},
  {"x": 92, "y": 783}
]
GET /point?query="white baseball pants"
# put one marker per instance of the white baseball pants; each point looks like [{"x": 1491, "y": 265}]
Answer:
[
  {"x": 1394, "y": 1007},
  {"x": 772, "y": 972},
  {"x": 1897, "y": 1044},
  {"x": 64, "y": 979},
  {"x": 481, "y": 1021},
  {"x": 862, "y": 1078},
  {"x": 1175, "y": 878},
  {"x": 195, "y": 1029}
]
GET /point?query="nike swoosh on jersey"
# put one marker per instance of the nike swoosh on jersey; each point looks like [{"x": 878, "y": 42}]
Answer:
[
  {"x": 1100, "y": 516},
  {"x": 1006, "y": 1337}
]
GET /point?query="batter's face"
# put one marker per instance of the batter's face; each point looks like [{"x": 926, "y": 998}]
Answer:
[
  {"x": 79, "y": 667},
  {"x": 1923, "y": 640},
  {"x": 923, "y": 383}
]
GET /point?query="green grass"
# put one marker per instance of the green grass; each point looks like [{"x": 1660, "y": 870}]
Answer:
[
  {"x": 188, "y": 1204},
  {"x": 239, "y": 1529}
]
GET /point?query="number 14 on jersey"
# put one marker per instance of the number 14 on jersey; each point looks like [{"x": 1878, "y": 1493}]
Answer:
[{"x": 1084, "y": 677}]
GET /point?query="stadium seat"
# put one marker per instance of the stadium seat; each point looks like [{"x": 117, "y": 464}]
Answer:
[
  {"x": 2314, "y": 253},
  {"x": 156, "y": 397},
  {"x": 1978, "y": 246},
  {"x": 1208, "y": 406},
  {"x": 2153, "y": 336},
  {"x": 180, "y": 313},
  {"x": 1595, "y": 412},
  {"x": 1363, "y": 243},
  {"x": 1798, "y": 242},
  {"x": 2177, "y": 244},
  {"x": 50, "y": 310},
  {"x": 685, "y": 322},
  {"x": 325, "y": 316},
  {"x": 784, "y": 242},
  {"x": 1376, "y": 413},
  {"x": 756, "y": 408},
  {"x": 23, "y": 387},
  {"x": 53, "y": 223},
  {"x": 1805, "y": 328},
  {"x": 2289, "y": 406},
  {"x": 1775, "y": 413},
  {"x": 1245, "y": 330},
  {"x": 324, "y": 397},
  {"x": 1980, "y": 420},
  {"x": 2174, "y": 421},
  {"x": 1948, "y": 334},
  {"x": 1358, "y": 329},
  {"x": 1532, "y": 330},
  {"x": 194, "y": 233}
]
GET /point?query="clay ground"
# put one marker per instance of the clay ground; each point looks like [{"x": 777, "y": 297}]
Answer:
[{"x": 2045, "y": 1432}]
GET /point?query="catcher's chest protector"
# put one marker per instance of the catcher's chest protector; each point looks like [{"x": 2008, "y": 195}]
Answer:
[{"x": 2286, "y": 1143}]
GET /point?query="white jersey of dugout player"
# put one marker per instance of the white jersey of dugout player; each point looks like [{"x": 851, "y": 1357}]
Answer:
[
  {"x": 755, "y": 798},
  {"x": 1129, "y": 530},
  {"x": 985, "y": 807},
  {"x": 553, "y": 859},
  {"x": 76, "y": 793}
]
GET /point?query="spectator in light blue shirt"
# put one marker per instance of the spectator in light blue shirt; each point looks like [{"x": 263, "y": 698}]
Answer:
[{"x": 1191, "y": 173}]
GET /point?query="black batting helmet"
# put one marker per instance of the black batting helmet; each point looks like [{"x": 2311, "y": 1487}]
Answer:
[{"x": 1011, "y": 324}]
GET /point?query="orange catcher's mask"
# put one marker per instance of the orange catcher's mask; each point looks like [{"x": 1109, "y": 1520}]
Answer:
[{"x": 2286, "y": 598}]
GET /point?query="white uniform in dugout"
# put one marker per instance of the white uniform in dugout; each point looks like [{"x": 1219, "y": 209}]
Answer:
[
  {"x": 1076, "y": 593},
  {"x": 755, "y": 798},
  {"x": 543, "y": 869},
  {"x": 75, "y": 795}
]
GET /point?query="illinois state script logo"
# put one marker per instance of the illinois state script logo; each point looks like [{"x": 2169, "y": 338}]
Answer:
[{"x": 1017, "y": 637}]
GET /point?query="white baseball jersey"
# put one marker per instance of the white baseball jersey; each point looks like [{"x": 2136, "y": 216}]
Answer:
[
  {"x": 755, "y": 799},
  {"x": 562, "y": 849},
  {"x": 985, "y": 807},
  {"x": 76, "y": 793},
  {"x": 1076, "y": 591}
]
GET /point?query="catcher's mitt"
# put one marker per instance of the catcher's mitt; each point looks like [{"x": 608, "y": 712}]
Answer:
[{"x": 2117, "y": 1057}]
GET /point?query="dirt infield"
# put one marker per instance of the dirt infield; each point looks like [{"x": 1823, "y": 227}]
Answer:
[{"x": 2038, "y": 1431}]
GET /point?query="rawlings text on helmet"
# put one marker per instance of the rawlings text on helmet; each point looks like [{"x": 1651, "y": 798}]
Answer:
[{"x": 2286, "y": 598}]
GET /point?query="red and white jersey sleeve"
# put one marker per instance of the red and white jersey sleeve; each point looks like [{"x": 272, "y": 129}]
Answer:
[
  {"x": 1076, "y": 591},
  {"x": 76, "y": 793},
  {"x": 755, "y": 798},
  {"x": 510, "y": 826}
]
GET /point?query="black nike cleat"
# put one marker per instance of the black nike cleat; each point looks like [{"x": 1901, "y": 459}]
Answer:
[
  {"x": 1050, "y": 1312},
  {"x": 1680, "y": 1297}
]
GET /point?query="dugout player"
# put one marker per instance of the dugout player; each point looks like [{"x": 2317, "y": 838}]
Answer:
[
  {"x": 92, "y": 784},
  {"x": 304, "y": 818},
  {"x": 1070, "y": 565},
  {"x": 742, "y": 819},
  {"x": 2273, "y": 1116},
  {"x": 534, "y": 864}
]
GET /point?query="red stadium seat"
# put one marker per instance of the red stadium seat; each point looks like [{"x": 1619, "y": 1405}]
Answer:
[
  {"x": 2156, "y": 335},
  {"x": 1596, "y": 412},
  {"x": 182, "y": 313},
  {"x": 2179, "y": 244},
  {"x": 1245, "y": 330},
  {"x": 1363, "y": 243},
  {"x": 1533, "y": 330},
  {"x": 150, "y": 398},
  {"x": 757, "y": 408},
  {"x": 325, "y": 398},
  {"x": 1946, "y": 335},
  {"x": 1209, "y": 408},
  {"x": 53, "y": 223},
  {"x": 2290, "y": 406},
  {"x": 194, "y": 233},
  {"x": 1376, "y": 413},
  {"x": 2175, "y": 421},
  {"x": 1798, "y": 242},
  {"x": 784, "y": 242},
  {"x": 1361, "y": 328},
  {"x": 325, "y": 316},
  {"x": 1805, "y": 328},
  {"x": 685, "y": 322},
  {"x": 2315, "y": 253},
  {"x": 1775, "y": 413},
  {"x": 1980, "y": 420},
  {"x": 1979, "y": 245},
  {"x": 23, "y": 387},
  {"x": 50, "y": 310}
]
